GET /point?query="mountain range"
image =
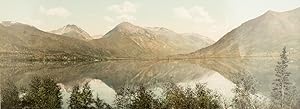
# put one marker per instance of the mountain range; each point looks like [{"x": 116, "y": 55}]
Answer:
[
  {"x": 71, "y": 42},
  {"x": 27, "y": 42},
  {"x": 128, "y": 40},
  {"x": 265, "y": 35}
]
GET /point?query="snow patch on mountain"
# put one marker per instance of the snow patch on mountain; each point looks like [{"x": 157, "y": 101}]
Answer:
[
  {"x": 8, "y": 23},
  {"x": 73, "y": 31}
]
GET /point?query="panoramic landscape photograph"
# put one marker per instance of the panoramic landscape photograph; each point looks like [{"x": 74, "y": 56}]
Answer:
[{"x": 150, "y": 54}]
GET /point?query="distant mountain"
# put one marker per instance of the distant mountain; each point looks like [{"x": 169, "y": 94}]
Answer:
[
  {"x": 27, "y": 42},
  {"x": 265, "y": 35},
  {"x": 198, "y": 40},
  {"x": 128, "y": 40},
  {"x": 72, "y": 31}
]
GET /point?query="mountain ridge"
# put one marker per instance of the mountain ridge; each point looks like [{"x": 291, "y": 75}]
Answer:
[
  {"x": 128, "y": 40},
  {"x": 265, "y": 35},
  {"x": 28, "y": 42},
  {"x": 73, "y": 31}
]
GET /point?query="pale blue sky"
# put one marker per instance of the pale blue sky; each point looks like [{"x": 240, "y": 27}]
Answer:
[{"x": 212, "y": 18}]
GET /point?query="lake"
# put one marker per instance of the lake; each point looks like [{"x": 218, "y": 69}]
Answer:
[{"x": 108, "y": 76}]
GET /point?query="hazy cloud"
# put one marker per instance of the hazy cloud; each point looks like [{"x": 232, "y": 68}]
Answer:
[
  {"x": 126, "y": 18},
  {"x": 124, "y": 8},
  {"x": 108, "y": 19},
  {"x": 124, "y": 12},
  {"x": 57, "y": 11},
  {"x": 196, "y": 14}
]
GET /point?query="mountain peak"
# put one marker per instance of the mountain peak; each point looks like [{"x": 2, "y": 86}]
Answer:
[
  {"x": 72, "y": 26},
  {"x": 269, "y": 15},
  {"x": 8, "y": 23},
  {"x": 261, "y": 36},
  {"x": 13, "y": 23},
  {"x": 125, "y": 24},
  {"x": 72, "y": 30},
  {"x": 270, "y": 12},
  {"x": 126, "y": 27}
]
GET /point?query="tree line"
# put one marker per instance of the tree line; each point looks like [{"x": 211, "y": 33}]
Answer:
[{"x": 44, "y": 93}]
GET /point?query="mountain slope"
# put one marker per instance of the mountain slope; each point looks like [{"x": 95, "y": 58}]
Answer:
[
  {"x": 127, "y": 40},
  {"x": 35, "y": 44},
  {"x": 72, "y": 31},
  {"x": 265, "y": 35}
]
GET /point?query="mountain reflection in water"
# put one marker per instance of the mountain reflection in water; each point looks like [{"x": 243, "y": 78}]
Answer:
[{"x": 117, "y": 74}]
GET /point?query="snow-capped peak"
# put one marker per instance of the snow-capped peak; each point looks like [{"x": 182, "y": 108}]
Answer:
[
  {"x": 270, "y": 13},
  {"x": 72, "y": 27},
  {"x": 73, "y": 31},
  {"x": 8, "y": 23}
]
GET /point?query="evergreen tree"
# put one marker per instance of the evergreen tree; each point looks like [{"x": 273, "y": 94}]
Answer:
[
  {"x": 246, "y": 93},
  {"x": 283, "y": 90},
  {"x": 205, "y": 98},
  {"x": 87, "y": 97},
  {"x": 174, "y": 97},
  {"x": 43, "y": 93},
  {"x": 10, "y": 96},
  {"x": 198, "y": 98},
  {"x": 124, "y": 98},
  {"x": 136, "y": 98},
  {"x": 81, "y": 99},
  {"x": 144, "y": 99},
  {"x": 100, "y": 104},
  {"x": 75, "y": 98}
]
